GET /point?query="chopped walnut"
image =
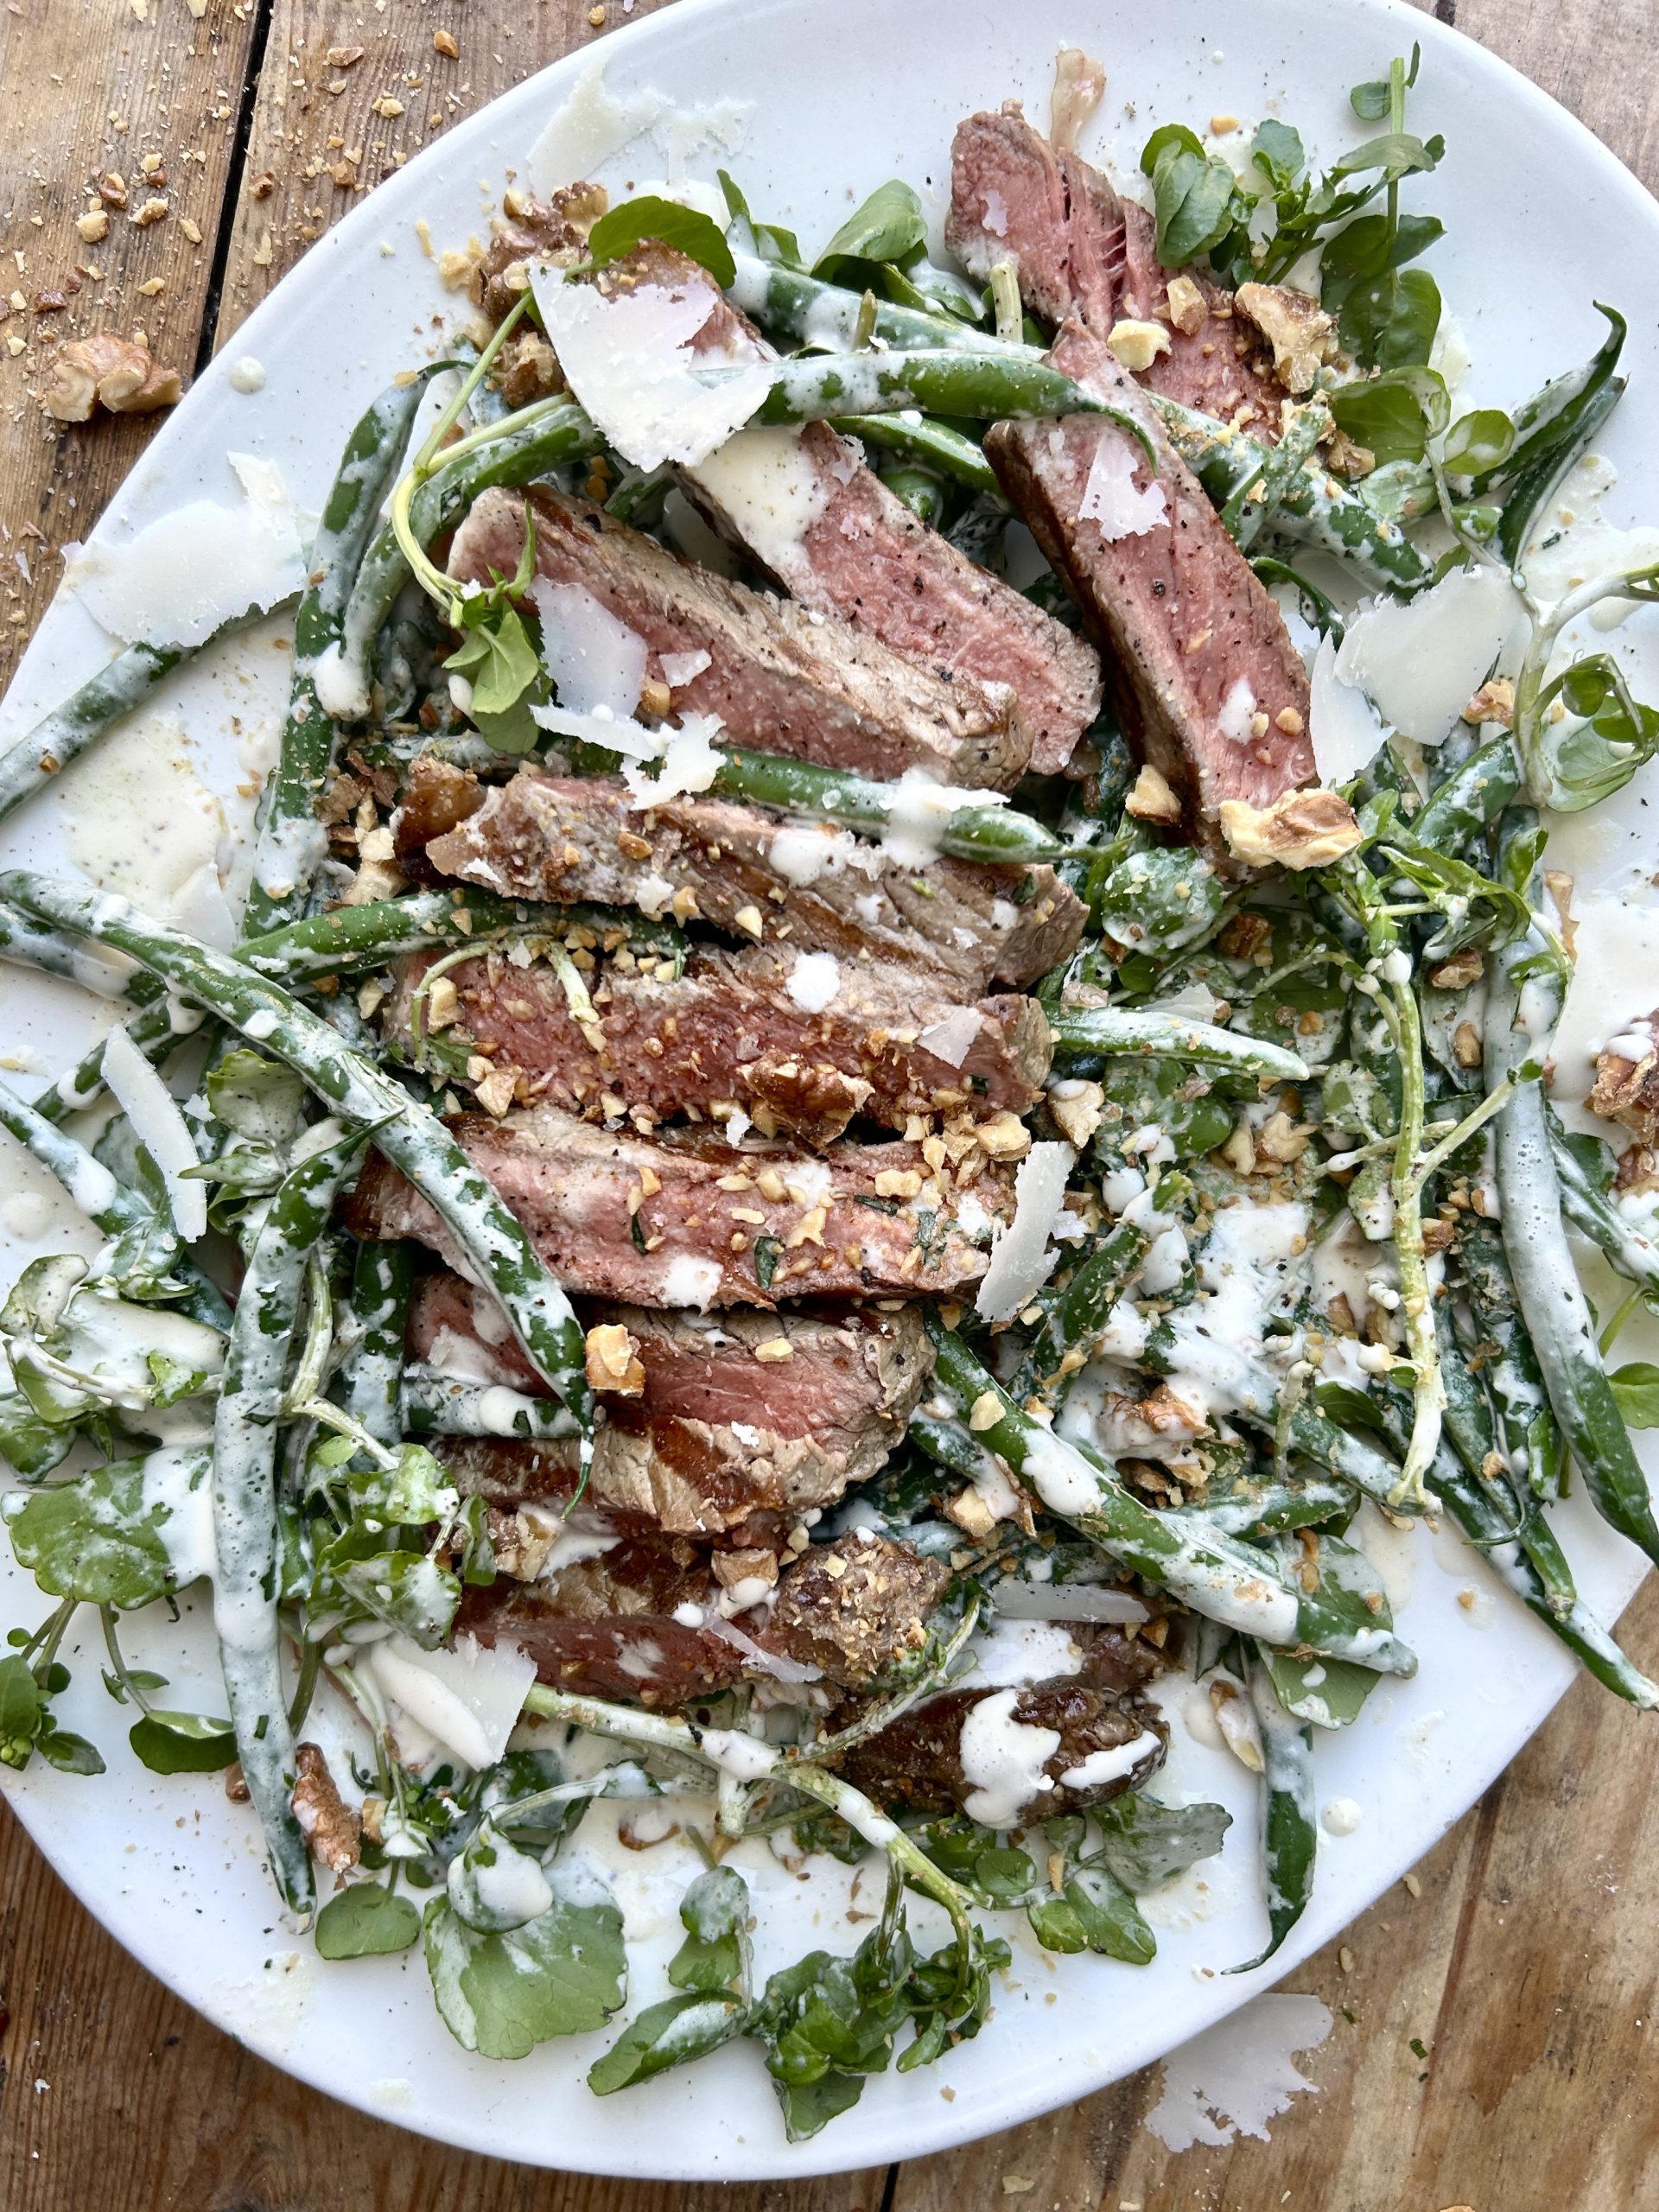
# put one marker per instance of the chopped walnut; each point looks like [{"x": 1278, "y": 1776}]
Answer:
[
  {"x": 1151, "y": 799},
  {"x": 1344, "y": 456},
  {"x": 1302, "y": 335},
  {"x": 750, "y": 1563},
  {"x": 1188, "y": 309},
  {"x": 1077, "y": 1108},
  {"x": 105, "y": 371},
  {"x": 1305, "y": 828},
  {"x": 1460, "y": 971},
  {"x": 614, "y": 1362},
  {"x": 1466, "y": 1045},
  {"x": 1638, "y": 1171},
  {"x": 971, "y": 1514},
  {"x": 1282, "y": 1140},
  {"x": 495, "y": 1088},
  {"x": 1627, "y": 1081},
  {"x": 327, "y": 1823},
  {"x": 1493, "y": 702},
  {"x": 530, "y": 371},
  {"x": 1137, "y": 345},
  {"x": 520, "y": 1541}
]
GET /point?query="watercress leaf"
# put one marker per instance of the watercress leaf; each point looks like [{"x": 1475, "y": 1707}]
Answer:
[
  {"x": 1388, "y": 322},
  {"x": 1366, "y": 247},
  {"x": 1160, "y": 897},
  {"x": 22, "y": 1709},
  {"x": 1396, "y": 154},
  {"x": 686, "y": 229},
  {"x": 1635, "y": 1390},
  {"x": 671, "y": 2033},
  {"x": 28, "y": 1445},
  {"x": 256, "y": 1098},
  {"x": 366, "y": 1922},
  {"x": 1192, "y": 197},
  {"x": 407, "y": 1588},
  {"x": 887, "y": 226},
  {"x": 810, "y": 2107},
  {"x": 561, "y": 1974},
  {"x": 69, "y": 1753},
  {"x": 415, "y": 1489},
  {"x": 1055, "y": 1923},
  {"x": 493, "y": 1885},
  {"x": 1370, "y": 101},
  {"x": 1278, "y": 151},
  {"x": 499, "y": 660},
  {"x": 1144, "y": 1843},
  {"x": 183, "y": 1743},
  {"x": 1332, "y": 1699},
  {"x": 714, "y": 1956},
  {"x": 96, "y": 1539},
  {"x": 1108, "y": 1917},
  {"x": 1344, "y": 1403},
  {"x": 1394, "y": 415}
]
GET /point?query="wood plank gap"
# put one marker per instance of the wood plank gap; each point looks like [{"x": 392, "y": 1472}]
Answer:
[
  {"x": 890, "y": 2191},
  {"x": 265, "y": 15}
]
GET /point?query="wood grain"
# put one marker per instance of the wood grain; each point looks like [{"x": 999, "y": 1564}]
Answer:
[
  {"x": 1524, "y": 1968},
  {"x": 87, "y": 88}
]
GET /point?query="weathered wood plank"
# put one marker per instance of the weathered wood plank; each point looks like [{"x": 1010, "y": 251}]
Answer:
[
  {"x": 349, "y": 94},
  {"x": 88, "y": 87},
  {"x": 1595, "y": 56}
]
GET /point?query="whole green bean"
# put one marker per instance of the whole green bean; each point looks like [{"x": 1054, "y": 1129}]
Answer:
[
  {"x": 438, "y": 1405},
  {"x": 1267, "y": 1508},
  {"x": 1552, "y": 1302},
  {"x": 104, "y": 1201},
  {"x": 1074, "y": 1316},
  {"x": 1471, "y": 800},
  {"x": 971, "y": 832},
  {"x": 934, "y": 445},
  {"x": 1510, "y": 1365},
  {"x": 1289, "y": 1830},
  {"x": 792, "y": 304},
  {"x": 1594, "y": 1214},
  {"x": 540, "y": 438},
  {"x": 1471, "y": 1427},
  {"x": 346, "y": 937},
  {"x": 291, "y": 841},
  {"x": 29, "y": 764},
  {"x": 410, "y": 1136},
  {"x": 1212, "y": 1573},
  {"x": 245, "y": 1541},
  {"x": 1107, "y": 1032},
  {"x": 369, "y": 1384},
  {"x": 809, "y": 387}
]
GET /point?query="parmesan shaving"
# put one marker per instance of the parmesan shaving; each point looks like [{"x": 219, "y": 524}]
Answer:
[
  {"x": 159, "y": 1126},
  {"x": 1021, "y": 1260}
]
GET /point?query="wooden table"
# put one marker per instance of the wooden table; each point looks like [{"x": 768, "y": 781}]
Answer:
[{"x": 1524, "y": 1968}]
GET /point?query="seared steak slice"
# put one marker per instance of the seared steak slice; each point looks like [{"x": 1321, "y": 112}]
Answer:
[
  {"x": 717, "y": 1436},
  {"x": 782, "y": 679},
  {"x": 728, "y": 1031},
  {"x": 750, "y": 874},
  {"x": 802, "y": 504},
  {"x": 643, "y": 1619},
  {"x": 685, "y": 1220},
  {"x": 922, "y": 1762},
  {"x": 1082, "y": 253},
  {"x": 1212, "y": 690},
  {"x": 857, "y": 1608}
]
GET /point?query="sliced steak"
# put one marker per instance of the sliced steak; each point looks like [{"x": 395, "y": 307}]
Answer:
[
  {"x": 730, "y": 1031},
  {"x": 648, "y": 1619},
  {"x": 684, "y": 1219},
  {"x": 918, "y": 1762},
  {"x": 717, "y": 1436},
  {"x": 1211, "y": 689},
  {"x": 782, "y": 678},
  {"x": 804, "y": 506},
  {"x": 1082, "y": 252},
  {"x": 749, "y": 875}
]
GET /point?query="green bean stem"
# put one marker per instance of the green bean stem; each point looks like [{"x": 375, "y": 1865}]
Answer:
[
  {"x": 933, "y": 445},
  {"x": 1110, "y": 1030},
  {"x": 409, "y": 1134},
  {"x": 995, "y": 834}
]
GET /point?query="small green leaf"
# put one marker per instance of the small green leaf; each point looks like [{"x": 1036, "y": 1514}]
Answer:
[
  {"x": 1389, "y": 322},
  {"x": 1480, "y": 441},
  {"x": 713, "y": 1959},
  {"x": 183, "y": 1743},
  {"x": 22, "y": 1711},
  {"x": 561, "y": 1975},
  {"x": 1328, "y": 1691},
  {"x": 671, "y": 2033},
  {"x": 889, "y": 226},
  {"x": 1394, "y": 415},
  {"x": 1280, "y": 152},
  {"x": 96, "y": 1540},
  {"x": 1110, "y": 1920},
  {"x": 1193, "y": 195},
  {"x": 685, "y": 229},
  {"x": 498, "y": 659},
  {"x": 1370, "y": 101},
  {"x": 1144, "y": 1842},
  {"x": 1636, "y": 1391},
  {"x": 256, "y": 1099},
  {"x": 69, "y": 1753},
  {"x": 366, "y": 1922}
]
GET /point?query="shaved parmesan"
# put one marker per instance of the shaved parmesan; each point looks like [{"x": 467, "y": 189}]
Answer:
[
  {"x": 770, "y": 490},
  {"x": 1237, "y": 712},
  {"x": 813, "y": 981},
  {"x": 953, "y": 1036},
  {"x": 1421, "y": 661},
  {"x": 1021, "y": 1260},
  {"x": 159, "y": 1126},
  {"x": 774, "y": 1663},
  {"x": 469, "y": 1698},
  {"x": 593, "y": 126},
  {"x": 1111, "y": 499},
  {"x": 679, "y": 669},
  {"x": 691, "y": 761},
  {"x": 1067, "y": 1601},
  {"x": 593, "y": 657},
  {"x": 1342, "y": 724},
  {"x": 689, "y": 1279},
  {"x": 198, "y": 567},
  {"x": 629, "y": 361}
]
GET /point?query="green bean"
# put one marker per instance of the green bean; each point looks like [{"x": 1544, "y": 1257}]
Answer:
[
  {"x": 369, "y": 1384},
  {"x": 792, "y": 304},
  {"x": 104, "y": 1201},
  {"x": 809, "y": 387},
  {"x": 516, "y": 450},
  {"x": 410, "y": 1136},
  {"x": 1107, "y": 1031},
  {"x": 438, "y": 1405},
  {"x": 1552, "y": 1302},
  {"x": 1253, "y": 503},
  {"x": 1510, "y": 1365},
  {"x": 1213, "y": 1574},
  {"x": 1471, "y": 800},
  {"x": 291, "y": 842},
  {"x": 1266, "y": 1508},
  {"x": 920, "y": 491},
  {"x": 245, "y": 1541},
  {"x": 1074, "y": 1316},
  {"x": 1594, "y": 1214},
  {"x": 346, "y": 937},
  {"x": 1472, "y": 1428},
  {"x": 29, "y": 764},
  {"x": 1289, "y": 1830},
  {"x": 1552, "y": 429},
  {"x": 932, "y": 445},
  {"x": 995, "y": 834}
]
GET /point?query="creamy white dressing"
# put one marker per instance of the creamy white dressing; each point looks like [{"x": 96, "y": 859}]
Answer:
[
  {"x": 1102, "y": 1767},
  {"x": 1002, "y": 1760},
  {"x": 770, "y": 489},
  {"x": 1420, "y": 661},
  {"x": 814, "y": 981}
]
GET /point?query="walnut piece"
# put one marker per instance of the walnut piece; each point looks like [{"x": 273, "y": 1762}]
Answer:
[
  {"x": 1188, "y": 309},
  {"x": 327, "y": 1823},
  {"x": 614, "y": 1360},
  {"x": 1079, "y": 1108},
  {"x": 1627, "y": 1081},
  {"x": 1137, "y": 345},
  {"x": 1306, "y": 828},
  {"x": 1152, "y": 799},
  {"x": 103, "y": 370},
  {"x": 1301, "y": 335},
  {"x": 1493, "y": 702}
]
